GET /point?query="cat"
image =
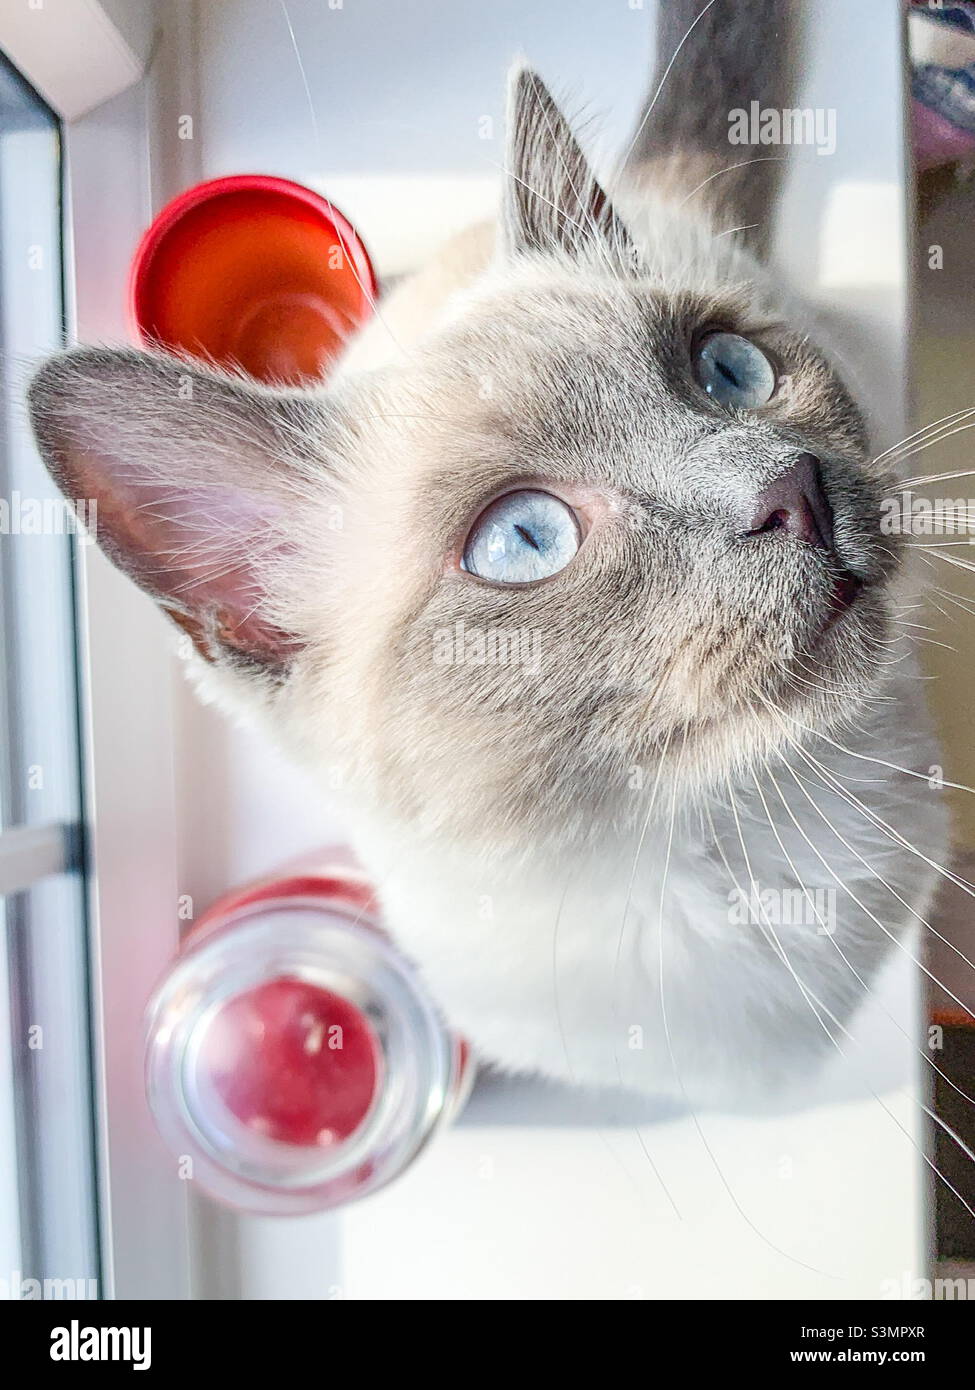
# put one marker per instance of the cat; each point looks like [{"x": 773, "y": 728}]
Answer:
[{"x": 571, "y": 579}]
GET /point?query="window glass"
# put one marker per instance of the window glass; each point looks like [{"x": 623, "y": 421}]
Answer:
[{"x": 47, "y": 1213}]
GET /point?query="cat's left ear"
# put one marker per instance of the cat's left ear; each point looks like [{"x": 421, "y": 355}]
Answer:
[
  {"x": 552, "y": 200},
  {"x": 199, "y": 484}
]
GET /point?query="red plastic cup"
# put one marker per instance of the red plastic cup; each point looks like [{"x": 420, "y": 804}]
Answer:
[{"x": 255, "y": 272}]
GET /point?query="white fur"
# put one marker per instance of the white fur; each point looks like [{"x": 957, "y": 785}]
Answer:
[
  {"x": 558, "y": 968},
  {"x": 559, "y": 965}
]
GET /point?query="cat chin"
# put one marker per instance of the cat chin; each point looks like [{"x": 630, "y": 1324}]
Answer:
[{"x": 623, "y": 965}]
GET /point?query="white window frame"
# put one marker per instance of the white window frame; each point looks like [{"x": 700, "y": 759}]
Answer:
[{"x": 94, "y": 77}]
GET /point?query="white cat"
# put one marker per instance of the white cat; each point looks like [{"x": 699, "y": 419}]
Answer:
[{"x": 605, "y": 652}]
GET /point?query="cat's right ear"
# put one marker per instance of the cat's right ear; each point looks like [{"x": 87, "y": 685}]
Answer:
[
  {"x": 194, "y": 482},
  {"x": 552, "y": 200}
]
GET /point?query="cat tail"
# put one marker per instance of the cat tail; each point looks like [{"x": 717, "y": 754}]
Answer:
[{"x": 712, "y": 62}]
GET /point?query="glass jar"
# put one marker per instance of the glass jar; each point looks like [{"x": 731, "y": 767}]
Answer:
[{"x": 294, "y": 1057}]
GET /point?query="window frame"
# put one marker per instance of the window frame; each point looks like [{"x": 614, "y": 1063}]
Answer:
[{"x": 125, "y": 662}]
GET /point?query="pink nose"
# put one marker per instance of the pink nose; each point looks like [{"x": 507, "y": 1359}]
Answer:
[{"x": 795, "y": 504}]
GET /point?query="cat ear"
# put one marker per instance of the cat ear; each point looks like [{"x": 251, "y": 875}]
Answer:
[
  {"x": 552, "y": 201},
  {"x": 191, "y": 481}
]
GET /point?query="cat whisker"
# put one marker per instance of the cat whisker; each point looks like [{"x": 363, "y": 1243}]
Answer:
[
  {"x": 966, "y": 605},
  {"x": 927, "y": 1111},
  {"x": 870, "y": 702},
  {"x": 948, "y": 617},
  {"x": 920, "y": 545},
  {"x": 673, "y": 1059},
  {"x": 938, "y": 477},
  {"x": 830, "y": 936},
  {"x": 729, "y": 231},
  {"x": 560, "y": 1024},
  {"x": 742, "y": 164},
  {"x": 817, "y": 685},
  {"x": 923, "y": 627},
  {"x": 619, "y": 950},
  {"x": 349, "y": 260},
  {"x": 928, "y": 442},
  {"x": 639, "y": 850},
  {"x": 854, "y": 801},
  {"x": 948, "y": 559},
  {"x": 771, "y": 935},
  {"x": 844, "y": 692},
  {"x": 666, "y": 73},
  {"x": 862, "y": 906},
  {"x": 924, "y": 431},
  {"x": 866, "y": 757},
  {"x": 931, "y": 641}
]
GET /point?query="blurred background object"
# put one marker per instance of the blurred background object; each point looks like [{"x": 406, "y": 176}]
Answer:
[{"x": 941, "y": 40}]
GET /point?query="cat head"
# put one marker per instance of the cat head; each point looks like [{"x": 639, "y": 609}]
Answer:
[{"x": 612, "y": 516}]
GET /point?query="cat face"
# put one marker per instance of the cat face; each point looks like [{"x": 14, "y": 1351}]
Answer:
[
  {"x": 611, "y": 515},
  {"x": 588, "y": 558}
]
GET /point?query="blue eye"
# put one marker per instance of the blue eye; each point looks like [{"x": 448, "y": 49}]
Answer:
[
  {"x": 734, "y": 371},
  {"x": 521, "y": 537}
]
